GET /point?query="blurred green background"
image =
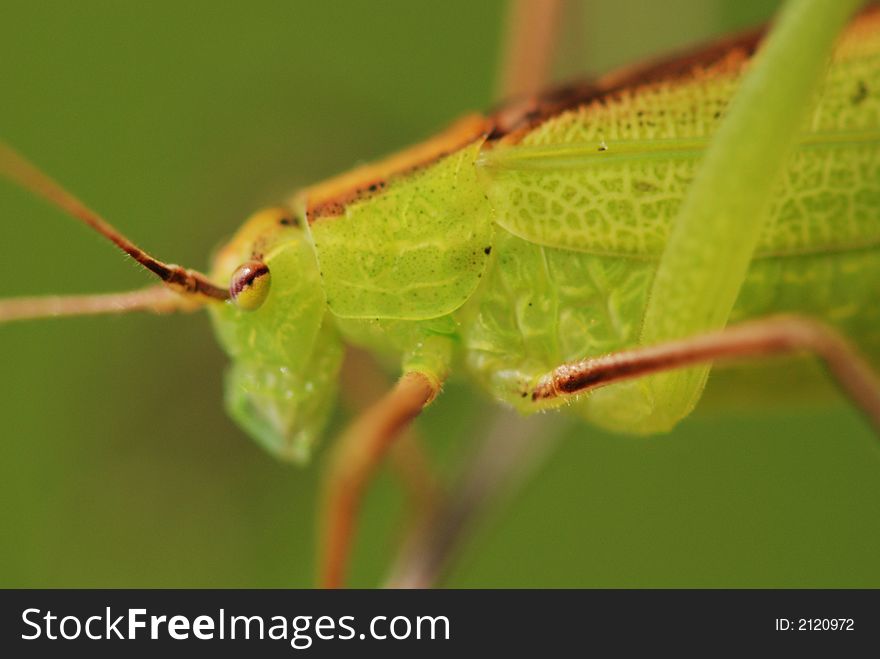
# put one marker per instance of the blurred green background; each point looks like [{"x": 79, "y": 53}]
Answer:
[{"x": 118, "y": 466}]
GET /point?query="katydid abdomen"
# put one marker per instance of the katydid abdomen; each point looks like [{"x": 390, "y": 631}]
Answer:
[
  {"x": 593, "y": 192},
  {"x": 543, "y": 306}
]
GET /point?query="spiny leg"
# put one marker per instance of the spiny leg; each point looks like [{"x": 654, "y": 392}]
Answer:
[
  {"x": 771, "y": 336},
  {"x": 355, "y": 457}
]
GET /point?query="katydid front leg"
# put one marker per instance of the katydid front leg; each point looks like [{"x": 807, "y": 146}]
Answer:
[
  {"x": 531, "y": 34},
  {"x": 358, "y": 452},
  {"x": 356, "y": 455}
]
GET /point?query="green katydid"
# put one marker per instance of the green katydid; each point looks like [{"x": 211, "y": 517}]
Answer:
[{"x": 528, "y": 239}]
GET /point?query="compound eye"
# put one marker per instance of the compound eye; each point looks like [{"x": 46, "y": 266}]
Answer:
[{"x": 250, "y": 285}]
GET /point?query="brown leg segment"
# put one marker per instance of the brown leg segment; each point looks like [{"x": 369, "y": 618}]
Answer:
[
  {"x": 365, "y": 383},
  {"x": 532, "y": 33},
  {"x": 355, "y": 457},
  {"x": 771, "y": 336},
  {"x": 413, "y": 469}
]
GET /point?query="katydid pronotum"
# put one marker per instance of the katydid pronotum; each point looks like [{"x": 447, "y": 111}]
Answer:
[{"x": 420, "y": 264}]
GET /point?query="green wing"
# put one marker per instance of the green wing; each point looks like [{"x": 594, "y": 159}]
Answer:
[{"x": 608, "y": 178}]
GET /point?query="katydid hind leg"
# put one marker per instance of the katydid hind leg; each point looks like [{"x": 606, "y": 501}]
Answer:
[
  {"x": 778, "y": 335},
  {"x": 366, "y": 382},
  {"x": 353, "y": 461}
]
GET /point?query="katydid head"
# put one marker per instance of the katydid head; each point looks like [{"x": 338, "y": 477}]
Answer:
[
  {"x": 281, "y": 384},
  {"x": 269, "y": 315}
]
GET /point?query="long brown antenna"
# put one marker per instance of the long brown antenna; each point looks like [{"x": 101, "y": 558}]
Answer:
[
  {"x": 182, "y": 280},
  {"x": 157, "y": 298}
]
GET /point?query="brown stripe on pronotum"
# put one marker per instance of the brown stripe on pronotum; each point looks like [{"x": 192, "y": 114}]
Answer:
[
  {"x": 516, "y": 117},
  {"x": 512, "y": 118},
  {"x": 330, "y": 197}
]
